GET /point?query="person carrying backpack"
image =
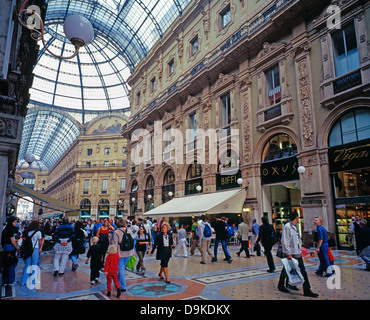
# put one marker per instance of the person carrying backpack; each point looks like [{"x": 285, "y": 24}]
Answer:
[
  {"x": 122, "y": 238},
  {"x": 205, "y": 235},
  {"x": 30, "y": 250}
]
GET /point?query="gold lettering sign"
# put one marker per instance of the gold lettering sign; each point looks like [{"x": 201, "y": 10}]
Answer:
[{"x": 345, "y": 156}]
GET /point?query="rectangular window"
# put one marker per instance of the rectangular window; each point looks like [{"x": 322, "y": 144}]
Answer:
[
  {"x": 138, "y": 98},
  {"x": 106, "y": 164},
  {"x": 345, "y": 50},
  {"x": 193, "y": 128},
  {"x": 104, "y": 187},
  {"x": 225, "y": 110},
  {"x": 86, "y": 186},
  {"x": 88, "y": 164},
  {"x": 194, "y": 45},
  {"x": 107, "y": 151},
  {"x": 122, "y": 185},
  {"x": 152, "y": 84},
  {"x": 167, "y": 144},
  {"x": 225, "y": 16},
  {"x": 171, "y": 67},
  {"x": 273, "y": 86},
  {"x": 89, "y": 152}
]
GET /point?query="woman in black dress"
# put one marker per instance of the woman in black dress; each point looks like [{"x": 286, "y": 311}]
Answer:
[{"x": 164, "y": 244}]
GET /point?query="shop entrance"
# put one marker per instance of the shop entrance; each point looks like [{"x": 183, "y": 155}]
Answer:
[{"x": 280, "y": 200}]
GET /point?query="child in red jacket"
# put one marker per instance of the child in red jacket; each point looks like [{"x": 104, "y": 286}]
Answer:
[{"x": 111, "y": 270}]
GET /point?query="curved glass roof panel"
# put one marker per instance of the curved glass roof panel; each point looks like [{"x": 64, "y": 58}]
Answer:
[{"x": 47, "y": 135}]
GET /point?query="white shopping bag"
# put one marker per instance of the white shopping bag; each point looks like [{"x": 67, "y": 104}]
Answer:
[{"x": 291, "y": 267}]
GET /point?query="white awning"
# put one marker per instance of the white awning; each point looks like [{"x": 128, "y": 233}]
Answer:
[{"x": 230, "y": 201}]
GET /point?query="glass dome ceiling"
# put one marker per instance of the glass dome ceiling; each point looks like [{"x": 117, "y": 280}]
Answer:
[
  {"x": 95, "y": 80},
  {"x": 125, "y": 30}
]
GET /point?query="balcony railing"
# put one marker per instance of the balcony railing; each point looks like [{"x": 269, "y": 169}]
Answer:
[{"x": 347, "y": 82}]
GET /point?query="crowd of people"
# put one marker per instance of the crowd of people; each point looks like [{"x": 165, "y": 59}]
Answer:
[{"x": 109, "y": 244}]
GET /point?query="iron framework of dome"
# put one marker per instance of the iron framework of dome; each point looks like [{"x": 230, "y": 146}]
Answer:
[{"x": 95, "y": 80}]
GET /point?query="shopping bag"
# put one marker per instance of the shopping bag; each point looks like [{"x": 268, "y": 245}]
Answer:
[
  {"x": 293, "y": 272},
  {"x": 131, "y": 263}
]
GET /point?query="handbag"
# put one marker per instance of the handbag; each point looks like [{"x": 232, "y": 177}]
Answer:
[{"x": 280, "y": 253}]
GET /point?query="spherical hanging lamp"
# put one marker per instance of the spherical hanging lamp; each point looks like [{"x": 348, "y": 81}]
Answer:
[{"x": 78, "y": 30}]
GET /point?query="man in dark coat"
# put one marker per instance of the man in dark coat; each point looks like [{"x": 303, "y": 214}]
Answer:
[{"x": 268, "y": 238}]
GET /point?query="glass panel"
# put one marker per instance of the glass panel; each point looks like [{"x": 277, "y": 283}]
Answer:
[
  {"x": 363, "y": 123},
  {"x": 335, "y": 138},
  {"x": 348, "y": 128}
]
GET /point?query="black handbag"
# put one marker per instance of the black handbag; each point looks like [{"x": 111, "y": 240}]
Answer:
[{"x": 279, "y": 252}]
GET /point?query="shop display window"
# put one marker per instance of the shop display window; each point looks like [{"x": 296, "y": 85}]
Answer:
[{"x": 285, "y": 200}]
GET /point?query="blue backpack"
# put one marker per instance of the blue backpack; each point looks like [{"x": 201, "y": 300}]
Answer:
[
  {"x": 207, "y": 231},
  {"x": 229, "y": 231}
]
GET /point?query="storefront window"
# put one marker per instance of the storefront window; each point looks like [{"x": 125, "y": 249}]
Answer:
[
  {"x": 285, "y": 199},
  {"x": 120, "y": 208},
  {"x": 103, "y": 208},
  {"x": 349, "y": 156},
  {"x": 133, "y": 198},
  {"x": 149, "y": 193},
  {"x": 85, "y": 208}
]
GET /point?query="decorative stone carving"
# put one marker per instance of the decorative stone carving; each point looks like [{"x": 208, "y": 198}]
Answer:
[
  {"x": 8, "y": 128},
  {"x": 305, "y": 102}
]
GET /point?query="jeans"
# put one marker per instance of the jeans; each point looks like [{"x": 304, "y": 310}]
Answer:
[
  {"x": 224, "y": 248},
  {"x": 121, "y": 272},
  {"x": 74, "y": 259},
  {"x": 27, "y": 271},
  {"x": 324, "y": 259},
  {"x": 8, "y": 267}
]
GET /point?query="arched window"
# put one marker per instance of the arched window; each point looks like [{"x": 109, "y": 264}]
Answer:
[
  {"x": 169, "y": 177},
  {"x": 168, "y": 188},
  {"x": 149, "y": 183},
  {"x": 279, "y": 146},
  {"x": 352, "y": 126},
  {"x": 194, "y": 179},
  {"x": 194, "y": 171},
  {"x": 134, "y": 186}
]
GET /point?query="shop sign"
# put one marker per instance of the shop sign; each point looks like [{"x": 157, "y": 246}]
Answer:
[
  {"x": 225, "y": 181},
  {"x": 191, "y": 185},
  {"x": 279, "y": 170},
  {"x": 350, "y": 156}
]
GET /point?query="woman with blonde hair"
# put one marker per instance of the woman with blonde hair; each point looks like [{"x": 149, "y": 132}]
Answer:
[{"x": 164, "y": 244}]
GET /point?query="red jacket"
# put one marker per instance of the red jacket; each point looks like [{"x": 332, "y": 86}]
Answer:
[{"x": 111, "y": 263}]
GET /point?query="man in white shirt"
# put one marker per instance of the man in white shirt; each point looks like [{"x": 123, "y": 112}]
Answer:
[
  {"x": 291, "y": 243},
  {"x": 181, "y": 242}
]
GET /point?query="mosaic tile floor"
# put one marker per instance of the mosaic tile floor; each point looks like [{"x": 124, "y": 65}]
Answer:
[{"x": 243, "y": 279}]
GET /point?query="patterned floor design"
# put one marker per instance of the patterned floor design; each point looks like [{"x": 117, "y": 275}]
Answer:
[{"x": 243, "y": 279}]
